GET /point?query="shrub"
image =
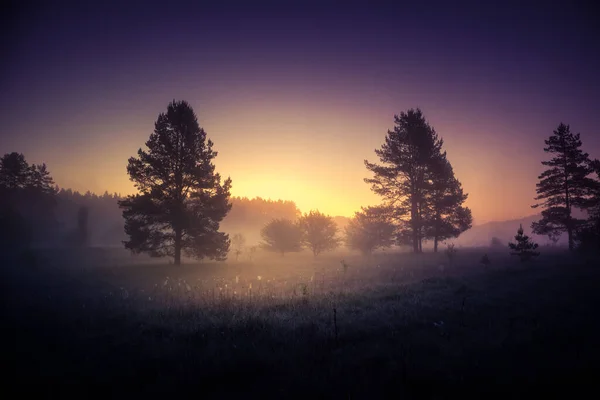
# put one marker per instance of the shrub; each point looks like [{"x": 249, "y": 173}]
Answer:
[{"x": 524, "y": 246}]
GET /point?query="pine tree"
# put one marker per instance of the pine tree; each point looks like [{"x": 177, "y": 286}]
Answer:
[
  {"x": 588, "y": 237},
  {"x": 406, "y": 156},
  {"x": 15, "y": 172},
  {"x": 564, "y": 185},
  {"x": 524, "y": 246},
  {"x": 281, "y": 236},
  {"x": 318, "y": 232},
  {"x": 594, "y": 191},
  {"x": 369, "y": 230},
  {"x": 181, "y": 199},
  {"x": 27, "y": 195},
  {"x": 443, "y": 214}
]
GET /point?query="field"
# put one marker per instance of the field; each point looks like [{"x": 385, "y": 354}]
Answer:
[{"x": 99, "y": 321}]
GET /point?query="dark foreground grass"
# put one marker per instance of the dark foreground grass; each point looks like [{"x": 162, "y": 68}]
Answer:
[{"x": 391, "y": 328}]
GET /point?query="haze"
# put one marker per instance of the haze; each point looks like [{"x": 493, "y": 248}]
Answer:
[{"x": 295, "y": 99}]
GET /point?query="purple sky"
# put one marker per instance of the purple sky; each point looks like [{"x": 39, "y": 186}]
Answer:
[{"x": 82, "y": 85}]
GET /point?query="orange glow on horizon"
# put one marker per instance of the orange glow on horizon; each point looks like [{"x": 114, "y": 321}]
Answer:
[{"x": 312, "y": 155}]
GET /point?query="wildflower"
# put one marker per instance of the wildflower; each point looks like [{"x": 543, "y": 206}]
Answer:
[{"x": 259, "y": 277}]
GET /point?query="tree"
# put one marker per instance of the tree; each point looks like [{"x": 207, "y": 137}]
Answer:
[
  {"x": 563, "y": 185},
  {"x": 524, "y": 246},
  {"x": 401, "y": 180},
  {"x": 238, "y": 242},
  {"x": 318, "y": 232},
  {"x": 15, "y": 172},
  {"x": 181, "y": 199},
  {"x": 443, "y": 215},
  {"x": 27, "y": 197},
  {"x": 282, "y": 236},
  {"x": 369, "y": 230},
  {"x": 588, "y": 237}
]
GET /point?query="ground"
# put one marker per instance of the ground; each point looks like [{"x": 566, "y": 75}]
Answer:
[{"x": 98, "y": 321}]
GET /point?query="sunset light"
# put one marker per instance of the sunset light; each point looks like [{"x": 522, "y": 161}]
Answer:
[{"x": 297, "y": 199}]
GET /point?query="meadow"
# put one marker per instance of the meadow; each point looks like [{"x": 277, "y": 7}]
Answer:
[{"x": 100, "y": 321}]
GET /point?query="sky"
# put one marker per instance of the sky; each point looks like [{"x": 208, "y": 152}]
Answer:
[{"x": 296, "y": 95}]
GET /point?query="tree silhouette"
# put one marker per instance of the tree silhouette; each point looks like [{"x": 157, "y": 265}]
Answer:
[
  {"x": 238, "y": 241},
  {"x": 369, "y": 230},
  {"x": 282, "y": 236},
  {"x": 15, "y": 172},
  {"x": 401, "y": 180},
  {"x": 443, "y": 215},
  {"x": 318, "y": 232},
  {"x": 588, "y": 237},
  {"x": 524, "y": 246},
  {"x": 563, "y": 185},
  {"x": 181, "y": 199},
  {"x": 27, "y": 199}
]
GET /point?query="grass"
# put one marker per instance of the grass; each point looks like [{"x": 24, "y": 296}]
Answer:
[{"x": 403, "y": 326}]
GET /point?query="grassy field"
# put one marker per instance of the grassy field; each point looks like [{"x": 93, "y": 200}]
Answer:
[{"x": 102, "y": 322}]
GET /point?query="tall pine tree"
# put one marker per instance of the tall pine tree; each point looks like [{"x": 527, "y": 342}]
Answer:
[
  {"x": 588, "y": 237},
  {"x": 564, "y": 185},
  {"x": 417, "y": 183},
  {"x": 444, "y": 215},
  {"x": 181, "y": 199},
  {"x": 400, "y": 179}
]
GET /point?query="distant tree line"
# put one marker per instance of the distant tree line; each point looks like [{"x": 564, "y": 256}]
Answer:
[
  {"x": 36, "y": 212},
  {"x": 27, "y": 203}
]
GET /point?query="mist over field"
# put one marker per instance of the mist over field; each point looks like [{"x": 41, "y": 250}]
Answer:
[{"x": 298, "y": 200}]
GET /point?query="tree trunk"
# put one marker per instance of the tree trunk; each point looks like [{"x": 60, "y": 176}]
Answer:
[
  {"x": 567, "y": 198},
  {"x": 414, "y": 217},
  {"x": 435, "y": 244},
  {"x": 177, "y": 260},
  {"x": 570, "y": 233}
]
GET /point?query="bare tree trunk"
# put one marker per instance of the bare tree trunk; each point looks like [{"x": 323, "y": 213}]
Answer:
[{"x": 414, "y": 223}]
